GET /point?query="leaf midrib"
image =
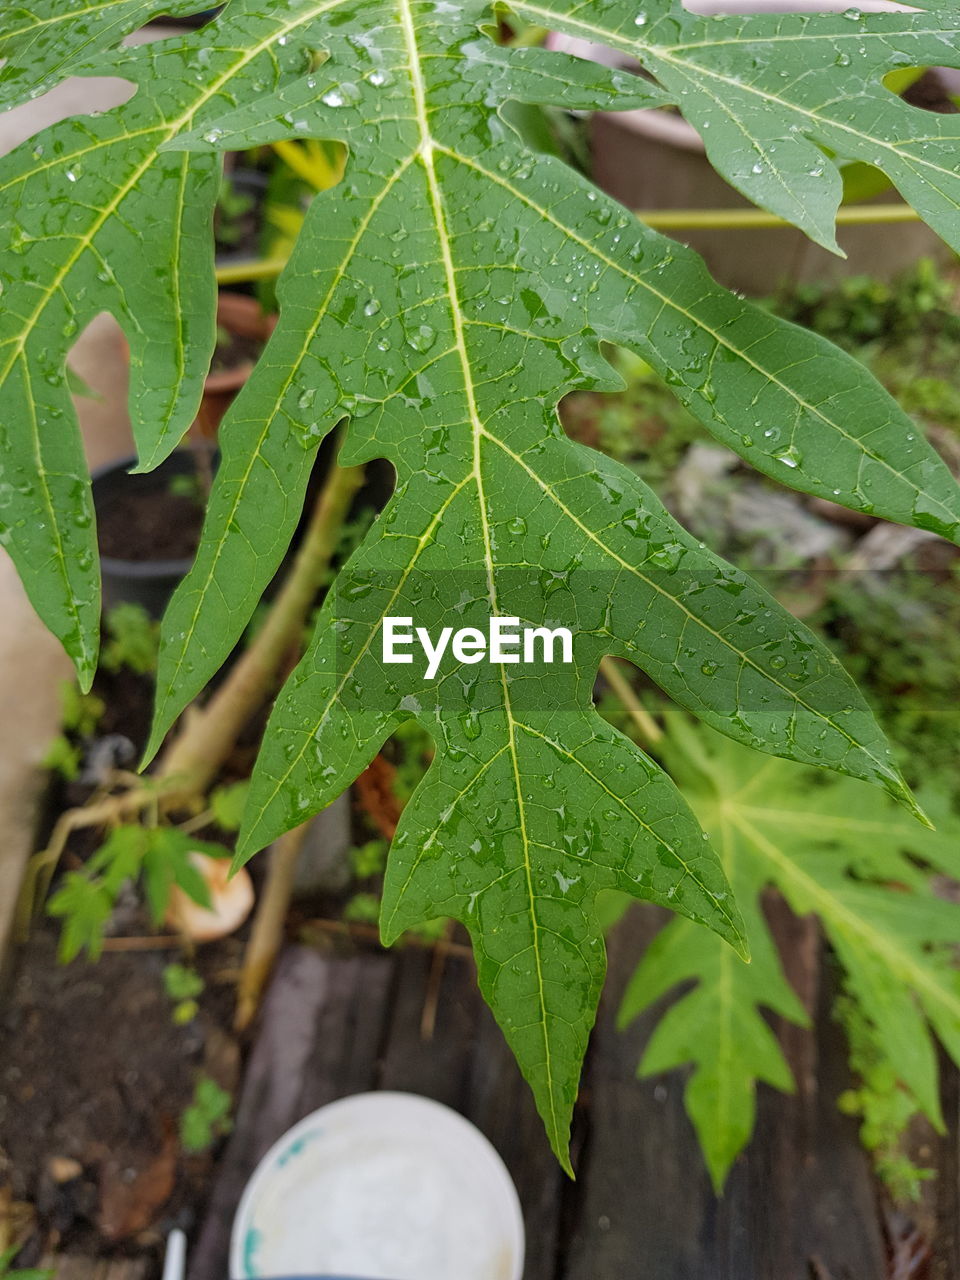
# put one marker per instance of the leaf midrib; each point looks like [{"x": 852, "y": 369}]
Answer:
[
  {"x": 425, "y": 156},
  {"x": 37, "y": 23}
]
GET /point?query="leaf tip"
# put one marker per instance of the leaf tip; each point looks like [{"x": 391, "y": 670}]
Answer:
[
  {"x": 151, "y": 749},
  {"x": 143, "y": 466},
  {"x": 561, "y": 1149},
  {"x": 900, "y": 791},
  {"x": 240, "y": 858},
  {"x": 719, "y": 1171}
]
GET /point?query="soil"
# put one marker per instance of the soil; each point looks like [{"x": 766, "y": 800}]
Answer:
[
  {"x": 148, "y": 524},
  {"x": 94, "y": 1076},
  {"x": 94, "y": 1073}
]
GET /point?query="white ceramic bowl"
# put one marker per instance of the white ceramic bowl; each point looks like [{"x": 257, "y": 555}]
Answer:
[{"x": 381, "y": 1186}]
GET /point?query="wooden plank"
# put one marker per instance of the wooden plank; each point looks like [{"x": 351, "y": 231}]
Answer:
[
  {"x": 801, "y": 1197},
  {"x": 318, "y": 1040},
  {"x": 333, "y": 1027},
  {"x": 76, "y": 1267},
  {"x": 438, "y": 1066},
  {"x": 939, "y": 1214},
  {"x": 349, "y": 1032},
  {"x": 467, "y": 1065},
  {"x": 499, "y": 1102}
]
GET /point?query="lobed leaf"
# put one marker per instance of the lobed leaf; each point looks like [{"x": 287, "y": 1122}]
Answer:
[
  {"x": 98, "y": 220},
  {"x": 865, "y": 872},
  {"x": 42, "y": 44},
  {"x": 443, "y": 298},
  {"x": 777, "y": 97}
]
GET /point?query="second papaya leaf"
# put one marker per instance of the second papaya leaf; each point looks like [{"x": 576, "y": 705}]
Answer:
[{"x": 832, "y": 847}]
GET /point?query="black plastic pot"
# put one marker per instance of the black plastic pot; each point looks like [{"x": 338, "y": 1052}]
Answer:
[{"x": 149, "y": 583}]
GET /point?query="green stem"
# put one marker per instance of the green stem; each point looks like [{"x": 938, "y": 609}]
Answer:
[
  {"x": 209, "y": 735},
  {"x": 660, "y": 219},
  {"x": 648, "y": 728},
  {"x": 748, "y": 219},
  {"x": 266, "y": 935},
  {"x": 255, "y": 269}
]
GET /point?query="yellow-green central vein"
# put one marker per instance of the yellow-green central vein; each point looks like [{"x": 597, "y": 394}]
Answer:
[{"x": 426, "y": 159}]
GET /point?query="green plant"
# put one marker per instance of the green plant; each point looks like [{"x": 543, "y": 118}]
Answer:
[
  {"x": 207, "y": 1118},
  {"x": 444, "y": 297},
  {"x": 9, "y": 1272},
  {"x": 362, "y": 908},
  {"x": 133, "y": 640},
  {"x": 863, "y": 309},
  {"x": 898, "y": 633},
  {"x": 643, "y": 426},
  {"x": 831, "y": 847},
  {"x": 884, "y": 1107},
  {"x": 183, "y": 985},
  {"x": 906, "y": 332},
  {"x": 80, "y": 713},
  {"x": 227, "y": 805},
  {"x": 232, "y": 207},
  {"x": 369, "y": 859},
  {"x": 160, "y": 855}
]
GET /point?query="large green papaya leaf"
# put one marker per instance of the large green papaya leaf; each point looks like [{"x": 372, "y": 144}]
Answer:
[
  {"x": 444, "y": 297},
  {"x": 832, "y": 849}
]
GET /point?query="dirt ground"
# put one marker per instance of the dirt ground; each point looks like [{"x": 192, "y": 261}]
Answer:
[{"x": 94, "y": 1076}]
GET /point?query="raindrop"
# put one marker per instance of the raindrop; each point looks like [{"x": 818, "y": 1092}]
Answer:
[
  {"x": 790, "y": 457},
  {"x": 470, "y": 724},
  {"x": 422, "y": 338}
]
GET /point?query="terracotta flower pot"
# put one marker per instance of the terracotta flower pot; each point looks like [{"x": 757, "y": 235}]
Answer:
[{"x": 241, "y": 316}]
